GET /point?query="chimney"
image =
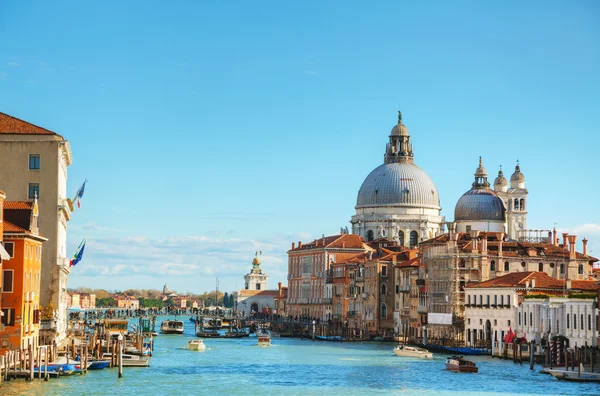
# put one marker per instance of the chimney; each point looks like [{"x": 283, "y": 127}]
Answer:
[
  {"x": 533, "y": 283},
  {"x": 554, "y": 239},
  {"x": 299, "y": 244},
  {"x": 279, "y": 285},
  {"x": 572, "y": 240},
  {"x": 293, "y": 245},
  {"x": 569, "y": 284},
  {"x": 565, "y": 235},
  {"x": 585, "y": 241},
  {"x": 394, "y": 259},
  {"x": 500, "y": 236}
]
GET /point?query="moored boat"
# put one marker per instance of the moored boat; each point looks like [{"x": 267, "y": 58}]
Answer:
[
  {"x": 170, "y": 326},
  {"x": 461, "y": 365},
  {"x": 581, "y": 376},
  {"x": 410, "y": 351},
  {"x": 196, "y": 345},
  {"x": 208, "y": 334},
  {"x": 130, "y": 360}
]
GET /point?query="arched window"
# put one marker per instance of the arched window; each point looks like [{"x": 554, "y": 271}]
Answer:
[
  {"x": 401, "y": 237},
  {"x": 383, "y": 311},
  {"x": 383, "y": 289},
  {"x": 574, "y": 321},
  {"x": 369, "y": 235},
  {"x": 516, "y": 204},
  {"x": 562, "y": 268},
  {"x": 541, "y": 267},
  {"x": 589, "y": 322},
  {"x": 492, "y": 265},
  {"x": 414, "y": 238},
  {"x": 568, "y": 316},
  {"x": 580, "y": 269},
  {"x": 523, "y": 264},
  {"x": 520, "y": 319},
  {"x": 522, "y": 204},
  {"x": 506, "y": 266},
  {"x": 530, "y": 318}
]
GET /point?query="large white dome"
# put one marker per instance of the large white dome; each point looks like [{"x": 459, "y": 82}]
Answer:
[{"x": 398, "y": 184}]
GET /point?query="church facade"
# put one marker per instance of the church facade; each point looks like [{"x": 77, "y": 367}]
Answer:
[{"x": 255, "y": 297}]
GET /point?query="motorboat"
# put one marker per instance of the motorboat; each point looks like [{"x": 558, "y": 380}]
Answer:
[
  {"x": 410, "y": 351},
  {"x": 98, "y": 364},
  {"x": 264, "y": 338},
  {"x": 196, "y": 345},
  {"x": 130, "y": 360},
  {"x": 170, "y": 326},
  {"x": 460, "y": 365}
]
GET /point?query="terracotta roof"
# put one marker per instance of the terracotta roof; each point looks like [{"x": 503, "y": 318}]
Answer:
[
  {"x": 347, "y": 241},
  {"x": 14, "y": 126},
  {"x": 591, "y": 285},
  {"x": 257, "y": 292},
  {"x": 414, "y": 262},
  {"x": 519, "y": 279},
  {"x": 18, "y": 205},
  {"x": 10, "y": 227},
  {"x": 546, "y": 251}
]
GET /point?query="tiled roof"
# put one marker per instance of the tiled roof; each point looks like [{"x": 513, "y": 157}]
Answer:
[
  {"x": 414, "y": 262},
  {"x": 545, "y": 251},
  {"x": 519, "y": 279},
  {"x": 18, "y": 205},
  {"x": 13, "y": 125},
  {"x": 585, "y": 285},
  {"x": 347, "y": 241},
  {"x": 10, "y": 227}
]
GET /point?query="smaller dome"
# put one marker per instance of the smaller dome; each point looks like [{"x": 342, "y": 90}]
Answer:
[
  {"x": 500, "y": 180},
  {"x": 517, "y": 176},
  {"x": 256, "y": 261},
  {"x": 399, "y": 130},
  {"x": 480, "y": 204}
]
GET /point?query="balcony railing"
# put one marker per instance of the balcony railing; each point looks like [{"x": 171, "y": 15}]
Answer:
[{"x": 422, "y": 309}]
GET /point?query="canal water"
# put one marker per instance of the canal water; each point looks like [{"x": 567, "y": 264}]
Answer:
[{"x": 297, "y": 367}]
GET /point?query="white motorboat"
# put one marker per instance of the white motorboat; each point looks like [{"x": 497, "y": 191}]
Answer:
[
  {"x": 409, "y": 351},
  {"x": 196, "y": 345},
  {"x": 130, "y": 360},
  {"x": 170, "y": 326},
  {"x": 264, "y": 338}
]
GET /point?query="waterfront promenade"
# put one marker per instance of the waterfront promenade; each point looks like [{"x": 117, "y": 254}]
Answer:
[{"x": 297, "y": 367}]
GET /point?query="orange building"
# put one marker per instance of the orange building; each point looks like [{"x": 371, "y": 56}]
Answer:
[
  {"x": 310, "y": 267},
  {"x": 21, "y": 276}
]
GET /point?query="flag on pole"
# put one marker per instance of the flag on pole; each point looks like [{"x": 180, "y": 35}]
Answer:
[
  {"x": 78, "y": 254},
  {"x": 79, "y": 194}
]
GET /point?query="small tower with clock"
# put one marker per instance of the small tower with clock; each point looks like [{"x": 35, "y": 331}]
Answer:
[{"x": 515, "y": 200}]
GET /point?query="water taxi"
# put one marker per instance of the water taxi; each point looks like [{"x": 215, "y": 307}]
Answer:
[
  {"x": 264, "y": 338},
  {"x": 196, "y": 345},
  {"x": 409, "y": 351},
  {"x": 460, "y": 365},
  {"x": 130, "y": 360},
  {"x": 170, "y": 326}
]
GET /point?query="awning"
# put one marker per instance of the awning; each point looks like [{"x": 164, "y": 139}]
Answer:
[{"x": 3, "y": 253}]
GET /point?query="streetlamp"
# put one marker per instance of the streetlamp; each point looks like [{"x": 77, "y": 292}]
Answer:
[
  {"x": 120, "y": 339},
  {"x": 313, "y": 330}
]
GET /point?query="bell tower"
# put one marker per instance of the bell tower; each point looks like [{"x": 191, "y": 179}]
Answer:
[{"x": 516, "y": 209}]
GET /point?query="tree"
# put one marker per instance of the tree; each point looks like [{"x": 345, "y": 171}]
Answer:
[
  {"x": 106, "y": 302},
  {"x": 226, "y": 300}
]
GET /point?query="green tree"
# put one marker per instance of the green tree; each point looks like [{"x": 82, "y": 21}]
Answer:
[{"x": 106, "y": 302}]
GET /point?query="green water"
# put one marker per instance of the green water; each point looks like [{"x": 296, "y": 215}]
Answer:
[{"x": 297, "y": 367}]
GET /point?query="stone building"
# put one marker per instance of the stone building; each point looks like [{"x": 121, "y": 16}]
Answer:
[
  {"x": 398, "y": 200},
  {"x": 34, "y": 163},
  {"x": 255, "y": 297},
  {"x": 309, "y": 267}
]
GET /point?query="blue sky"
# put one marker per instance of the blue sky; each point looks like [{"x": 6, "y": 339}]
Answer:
[{"x": 210, "y": 130}]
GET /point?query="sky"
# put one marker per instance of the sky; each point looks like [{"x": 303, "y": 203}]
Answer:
[{"x": 211, "y": 130}]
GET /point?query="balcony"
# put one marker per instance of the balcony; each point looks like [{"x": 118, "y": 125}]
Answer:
[
  {"x": 404, "y": 288},
  {"x": 327, "y": 300},
  {"x": 422, "y": 309}
]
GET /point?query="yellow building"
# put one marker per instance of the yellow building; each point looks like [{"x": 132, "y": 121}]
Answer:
[{"x": 21, "y": 276}]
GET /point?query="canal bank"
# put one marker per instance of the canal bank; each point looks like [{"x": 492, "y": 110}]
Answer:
[{"x": 293, "y": 367}]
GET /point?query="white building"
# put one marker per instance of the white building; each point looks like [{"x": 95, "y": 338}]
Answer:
[
  {"x": 255, "y": 297},
  {"x": 398, "y": 200},
  {"x": 494, "y": 307},
  {"x": 34, "y": 162}
]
